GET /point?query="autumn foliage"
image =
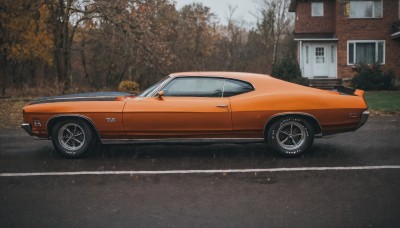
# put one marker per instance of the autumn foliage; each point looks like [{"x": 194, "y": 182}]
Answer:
[
  {"x": 128, "y": 87},
  {"x": 76, "y": 46}
]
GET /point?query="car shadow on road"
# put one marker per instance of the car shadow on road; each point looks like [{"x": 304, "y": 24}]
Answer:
[
  {"x": 43, "y": 157},
  {"x": 217, "y": 156},
  {"x": 321, "y": 150}
]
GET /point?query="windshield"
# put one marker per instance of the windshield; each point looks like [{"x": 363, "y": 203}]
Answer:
[{"x": 153, "y": 87}]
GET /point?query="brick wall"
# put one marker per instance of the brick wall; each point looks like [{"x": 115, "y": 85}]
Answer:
[
  {"x": 305, "y": 23},
  {"x": 368, "y": 29},
  {"x": 335, "y": 21}
]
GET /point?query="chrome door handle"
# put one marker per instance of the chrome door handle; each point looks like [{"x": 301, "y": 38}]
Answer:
[{"x": 222, "y": 106}]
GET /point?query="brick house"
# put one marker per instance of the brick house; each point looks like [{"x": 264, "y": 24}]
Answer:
[{"x": 334, "y": 35}]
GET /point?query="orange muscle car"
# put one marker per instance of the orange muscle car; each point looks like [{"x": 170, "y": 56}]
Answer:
[{"x": 199, "y": 107}]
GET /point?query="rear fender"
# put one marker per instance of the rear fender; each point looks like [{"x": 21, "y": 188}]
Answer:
[{"x": 312, "y": 119}]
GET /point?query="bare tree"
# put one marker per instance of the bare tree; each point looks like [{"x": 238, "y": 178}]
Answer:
[
  {"x": 67, "y": 15},
  {"x": 97, "y": 43},
  {"x": 275, "y": 22}
]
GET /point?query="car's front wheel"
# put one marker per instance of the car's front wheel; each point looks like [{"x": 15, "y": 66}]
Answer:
[
  {"x": 290, "y": 136},
  {"x": 72, "y": 138}
]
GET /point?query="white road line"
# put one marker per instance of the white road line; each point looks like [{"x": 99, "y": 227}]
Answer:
[{"x": 199, "y": 171}]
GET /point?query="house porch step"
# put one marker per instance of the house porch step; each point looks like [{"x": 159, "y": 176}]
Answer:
[{"x": 327, "y": 84}]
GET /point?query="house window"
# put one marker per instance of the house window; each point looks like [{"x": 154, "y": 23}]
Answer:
[
  {"x": 317, "y": 9},
  {"x": 320, "y": 55},
  {"x": 366, "y": 52},
  {"x": 365, "y": 9}
]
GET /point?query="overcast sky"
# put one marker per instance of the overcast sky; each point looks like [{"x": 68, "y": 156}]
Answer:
[{"x": 245, "y": 9}]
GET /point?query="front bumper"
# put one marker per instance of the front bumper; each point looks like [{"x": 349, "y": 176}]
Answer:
[
  {"x": 27, "y": 128},
  {"x": 364, "y": 118}
]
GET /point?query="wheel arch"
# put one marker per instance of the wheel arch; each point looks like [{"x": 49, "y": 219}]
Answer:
[
  {"x": 55, "y": 119},
  {"x": 312, "y": 120}
]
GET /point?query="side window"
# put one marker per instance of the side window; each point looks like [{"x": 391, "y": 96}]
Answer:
[
  {"x": 234, "y": 87},
  {"x": 194, "y": 87}
]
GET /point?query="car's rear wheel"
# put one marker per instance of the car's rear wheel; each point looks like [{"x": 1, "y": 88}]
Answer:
[
  {"x": 290, "y": 136},
  {"x": 73, "y": 138}
]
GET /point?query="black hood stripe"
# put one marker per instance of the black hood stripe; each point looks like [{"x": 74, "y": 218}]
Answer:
[{"x": 101, "y": 96}]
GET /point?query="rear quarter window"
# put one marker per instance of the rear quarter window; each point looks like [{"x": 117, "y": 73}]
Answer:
[{"x": 236, "y": 87}]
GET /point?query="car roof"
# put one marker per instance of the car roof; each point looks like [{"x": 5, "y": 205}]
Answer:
[
  {"x": 222, "y": 74},
  {"x": 261, "y": 82}
]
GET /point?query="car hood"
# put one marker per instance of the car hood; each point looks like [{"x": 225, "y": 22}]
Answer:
[{"x": 99, "y": 96}]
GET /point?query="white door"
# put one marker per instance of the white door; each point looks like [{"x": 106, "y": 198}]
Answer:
[{"x": 319, "y": 60}]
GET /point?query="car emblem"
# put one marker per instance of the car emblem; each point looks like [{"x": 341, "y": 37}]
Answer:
[{"x": 111, "y": 120}]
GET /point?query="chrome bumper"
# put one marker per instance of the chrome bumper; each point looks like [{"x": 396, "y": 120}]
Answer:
[
  {"x": 364, "y": 118},
  {"x": 27, "y": 128}
]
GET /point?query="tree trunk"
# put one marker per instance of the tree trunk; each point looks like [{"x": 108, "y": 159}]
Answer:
[
  {"x": 83, "y": 59},
  {"x": 274, "y": 53},
  {"x": 62, "y": 42},
  {"x": 3, "y": 76}
]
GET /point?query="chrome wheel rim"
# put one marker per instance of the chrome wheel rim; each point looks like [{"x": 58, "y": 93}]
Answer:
[
  {"x": 291, "y": 135},
  {"x": 71, "y": 137}
]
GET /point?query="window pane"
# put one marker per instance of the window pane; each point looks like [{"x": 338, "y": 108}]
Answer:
[
  {"x": 378, "y": 8},
  {"x": 365, "y": 53},
  {"x": 317, "y": 9},
  {"x": 319, "y": 55},
  {"x": 362, "y": 9},
  {"x": 149, "y": 90},
  {"x": 233, "y": 88},
  {"x": 380, "y": 52},
  {"x": 194, "y": 87},
  {"x": 351, "y": 53}
]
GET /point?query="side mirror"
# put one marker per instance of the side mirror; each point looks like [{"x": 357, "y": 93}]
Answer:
[{"x": 160, "y": 95}]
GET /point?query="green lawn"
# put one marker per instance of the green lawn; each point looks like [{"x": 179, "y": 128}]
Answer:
[{"x": 383, "y": 101}]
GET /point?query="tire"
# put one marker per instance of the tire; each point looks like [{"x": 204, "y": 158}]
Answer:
[
  {"x": 290, "y": 136},
  {"x": 73, "y": 138}
]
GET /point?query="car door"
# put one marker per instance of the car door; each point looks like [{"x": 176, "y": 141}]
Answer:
[
  {"x": 192, "y": 107},
  {"x": 247, "y": 119}
]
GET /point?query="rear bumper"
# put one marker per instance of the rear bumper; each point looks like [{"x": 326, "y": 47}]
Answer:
[
  {"x": 27, "y": 128},
  {"x": 364, "y": 118}
]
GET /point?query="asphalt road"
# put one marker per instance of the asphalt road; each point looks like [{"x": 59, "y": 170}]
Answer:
[{"x": 310, "y": 198}]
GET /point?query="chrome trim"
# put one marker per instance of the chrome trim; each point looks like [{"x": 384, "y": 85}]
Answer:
[
  {"x": 27, "y": 128},
  {"x": 72, "y": 115},
  {"x": 182, "y": 141},
  {"x": 223, "y": 88},
  {"x": 363, "y": 119},
  {"x": 160, "y": 87},
  {"x": 294, "y": 113}
]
